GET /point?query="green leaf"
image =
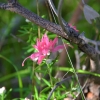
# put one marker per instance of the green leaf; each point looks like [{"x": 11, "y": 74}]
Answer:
[
  {"x": 38, "y": 67},
  {"x": 66, "y": 69},
  {"x": 45, "y": 89},
  {"x": 87, "y": 72},
  {"x": 46, "y": 82},
  {"x": 36, "y": 92}
]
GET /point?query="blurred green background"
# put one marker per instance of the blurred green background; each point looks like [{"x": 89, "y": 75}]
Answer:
[{"x": 15, "y": 35}]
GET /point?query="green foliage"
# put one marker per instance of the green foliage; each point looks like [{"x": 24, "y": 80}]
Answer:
[{"x": 17, "y": 38}]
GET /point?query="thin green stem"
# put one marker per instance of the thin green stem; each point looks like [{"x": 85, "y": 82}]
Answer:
[
  {"x": 76, "y": 76},
  {"x": 51, "y": 81},
  {"x": 38, "y": 15},
  {"x": 19, "y": 78},
  {"x": 49, "y": 74},
  {"x": 64, "y": 29}
]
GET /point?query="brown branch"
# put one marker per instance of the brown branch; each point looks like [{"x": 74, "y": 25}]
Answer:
[
  {"x": 74, "y": 19},
  {"x": 74, "y": 36}
]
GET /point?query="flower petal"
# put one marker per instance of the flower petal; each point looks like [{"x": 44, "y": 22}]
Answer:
[
  {"x": 59, "y": 47},
  {"x": 45, "y": 39},
  {"x": 40, "y": 59},
  {"x": 34, "y": 56},
  {"x": 74, "y": 27},
  {"x": 54, "y": 41}
]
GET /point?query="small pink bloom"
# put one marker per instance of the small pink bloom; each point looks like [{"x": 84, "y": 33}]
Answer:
[
  {"x": 74, "y": 27},
  {"x": 44, "y": 47}
]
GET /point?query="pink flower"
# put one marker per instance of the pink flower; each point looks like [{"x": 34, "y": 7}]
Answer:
[
  {"x": 74, "y": 27},
  {"x": 44, "y": 47}
]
